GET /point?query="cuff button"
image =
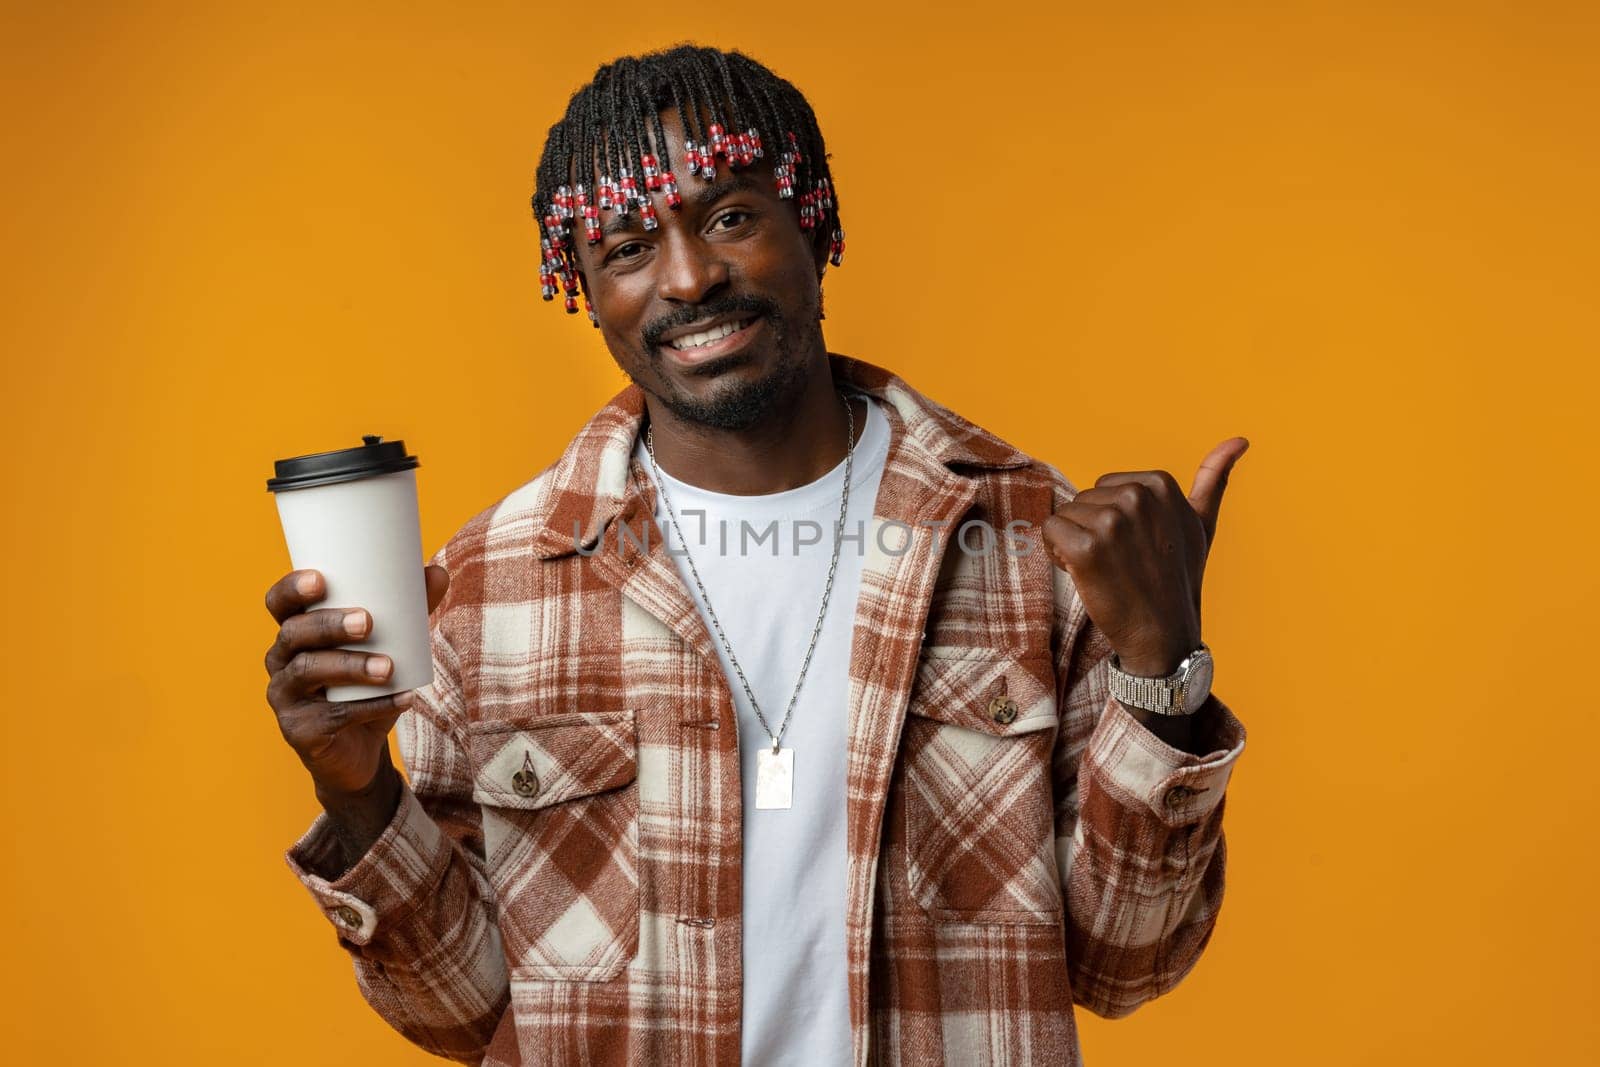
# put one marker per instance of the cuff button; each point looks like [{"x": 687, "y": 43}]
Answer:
[
  {"x": 1003, "y": 710},
  {"x": 1177, "y": 795},
  {"x": 348, "y": 916}
]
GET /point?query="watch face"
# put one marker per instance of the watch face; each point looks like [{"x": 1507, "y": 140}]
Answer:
[{"x": 1197, "y": 685}]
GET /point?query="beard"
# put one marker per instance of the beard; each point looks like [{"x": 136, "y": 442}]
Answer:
[{"x": 739, "y": 404}]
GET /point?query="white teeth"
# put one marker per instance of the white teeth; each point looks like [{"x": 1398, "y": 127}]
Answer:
[{"x": 705, "y": 337}]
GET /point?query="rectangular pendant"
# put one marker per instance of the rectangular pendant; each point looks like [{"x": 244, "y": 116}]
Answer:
[{"x": 774, "y": 779}]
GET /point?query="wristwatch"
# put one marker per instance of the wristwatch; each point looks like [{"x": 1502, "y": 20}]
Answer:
[{"x": 1180, "y": 693}]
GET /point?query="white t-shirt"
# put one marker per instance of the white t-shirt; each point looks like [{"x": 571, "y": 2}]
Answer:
[{"x": 766, "y": 587}]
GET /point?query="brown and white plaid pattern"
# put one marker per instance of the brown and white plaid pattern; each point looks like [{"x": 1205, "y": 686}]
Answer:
[{"x": 561, "y": 883}]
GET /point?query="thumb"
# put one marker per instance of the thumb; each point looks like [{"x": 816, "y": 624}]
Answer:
[
  {"x": 438, "y": 580},
  {"x": 1211, "y": 479}
]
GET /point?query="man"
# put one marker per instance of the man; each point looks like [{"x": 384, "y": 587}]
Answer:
[{"x": 788, "y": 717}]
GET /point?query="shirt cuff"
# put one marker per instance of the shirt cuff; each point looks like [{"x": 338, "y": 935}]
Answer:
[
  {"x": 1181, "y": 788},
  {"x": 398, "y": 871}
]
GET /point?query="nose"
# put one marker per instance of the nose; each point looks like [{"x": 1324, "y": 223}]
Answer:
[{"x": 691, "y": 272}]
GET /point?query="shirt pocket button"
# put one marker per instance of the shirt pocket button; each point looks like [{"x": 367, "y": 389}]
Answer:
[
  {"x": 525, "y": 783},
  {"x": 1003, "y": 710}
]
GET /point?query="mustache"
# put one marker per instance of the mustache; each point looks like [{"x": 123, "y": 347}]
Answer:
[{"x": 723, "y": 305}]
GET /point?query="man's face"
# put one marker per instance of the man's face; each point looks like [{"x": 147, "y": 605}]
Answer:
[{"x": 732, "y": 255}]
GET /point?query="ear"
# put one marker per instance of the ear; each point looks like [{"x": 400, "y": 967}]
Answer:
[
  {"x": 583, "y": 287},
  {"x": 821, "y": 245}
]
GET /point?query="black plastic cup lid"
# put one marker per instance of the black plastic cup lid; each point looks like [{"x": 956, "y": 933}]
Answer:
[{"x": 375, "y": 456}]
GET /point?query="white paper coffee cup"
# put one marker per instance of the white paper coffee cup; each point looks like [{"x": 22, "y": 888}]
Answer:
[{"x": 352, "y": 515}]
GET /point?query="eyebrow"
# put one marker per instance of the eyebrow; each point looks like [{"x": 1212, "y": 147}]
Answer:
[{"x": 703, "y": 196}]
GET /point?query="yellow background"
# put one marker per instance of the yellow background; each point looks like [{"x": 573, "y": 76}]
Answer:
[{"x": 1363, "y": 237}]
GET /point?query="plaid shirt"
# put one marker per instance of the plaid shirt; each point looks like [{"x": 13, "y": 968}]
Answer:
[{"x": 561, "y": 881}]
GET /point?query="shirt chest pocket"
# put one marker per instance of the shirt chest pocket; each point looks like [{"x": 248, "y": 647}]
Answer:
[
  {"x": 976, "y": 787},
  {"x": 560, "y": 807}
]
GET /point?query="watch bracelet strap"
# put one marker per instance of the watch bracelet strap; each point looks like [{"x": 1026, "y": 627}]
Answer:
[{"x": 1159, "y": 695}]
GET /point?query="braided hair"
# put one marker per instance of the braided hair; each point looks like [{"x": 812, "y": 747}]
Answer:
[{"x": 609, "y": 151}]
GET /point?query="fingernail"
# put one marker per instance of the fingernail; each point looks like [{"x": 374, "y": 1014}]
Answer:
[
  {"x": 378, "y": 666},
  {"x": 306, "y": 584},
  {"x": 355, "y": 623},
  {"x": 403, "y": 700}
]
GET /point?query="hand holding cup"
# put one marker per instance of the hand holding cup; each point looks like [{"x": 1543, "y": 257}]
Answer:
[{"x": 344, "y": 744}]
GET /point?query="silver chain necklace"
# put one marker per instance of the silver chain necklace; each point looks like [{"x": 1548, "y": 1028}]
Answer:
[{"x": 774, "y": 767}]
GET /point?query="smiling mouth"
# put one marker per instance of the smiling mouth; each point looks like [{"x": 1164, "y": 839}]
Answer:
[{"x": 705, "y": 338}]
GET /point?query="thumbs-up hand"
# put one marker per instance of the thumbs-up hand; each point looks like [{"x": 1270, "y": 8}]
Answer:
[{"x": 1136, "y": 548}]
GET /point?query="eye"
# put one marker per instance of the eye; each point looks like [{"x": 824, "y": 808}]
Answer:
[
  {"x": 733, "y": 216},
  {"x": 621, "y": 251}
]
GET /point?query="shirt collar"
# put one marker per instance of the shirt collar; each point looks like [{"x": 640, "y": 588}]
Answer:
[{"x": 584, "y": 490}]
